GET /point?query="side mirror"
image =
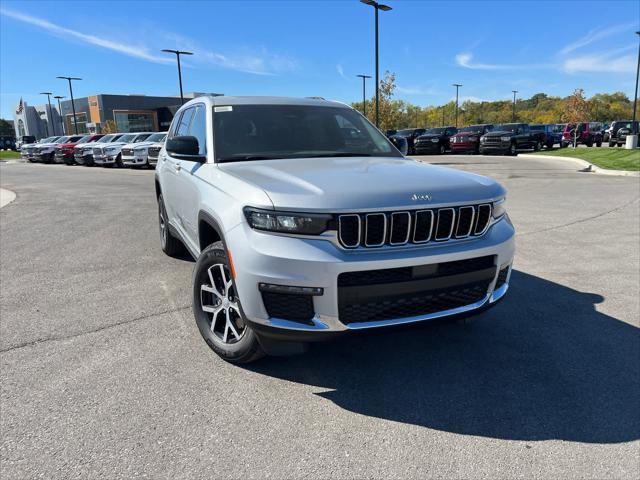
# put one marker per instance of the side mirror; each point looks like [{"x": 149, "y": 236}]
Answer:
[{"x": 185, "y": 148}]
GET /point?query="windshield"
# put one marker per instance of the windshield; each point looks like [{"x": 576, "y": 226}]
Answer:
[
  {"x": 157, "y": 137},
  {"x": 61, "y": 140},
  {"x": 405, "y": 133},
  {"x": 106, "y": 139},
  {"x": 436, "y": 131},
  {"x": 264, "y": 132},
  {"x": 141, "y": 138},
  {"x": 126, "y": 138},
  {"x": 84, "y": 139},
  {"x": 507, "y": 127},
  {"x": 472, "y": 129}
]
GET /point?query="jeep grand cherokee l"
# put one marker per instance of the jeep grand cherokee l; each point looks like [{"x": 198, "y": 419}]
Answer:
[{"x": 302, "y": 233}]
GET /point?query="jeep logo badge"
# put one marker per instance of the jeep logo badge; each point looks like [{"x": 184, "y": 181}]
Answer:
[{"x": 421, "y": 196}]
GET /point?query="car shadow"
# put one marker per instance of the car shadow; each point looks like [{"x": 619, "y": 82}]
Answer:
[{"x": 544, "y": 364}]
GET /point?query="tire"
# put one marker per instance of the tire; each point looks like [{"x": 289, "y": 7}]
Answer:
[
  {"x": 611, "y": 144},
  {"x": 217, "y": 309},
  {"x": 599, "y": 144},
  {"x": 442, "y": 150},
  {"x": 513, "y": 150},
  {"x": 169, "y": 244},
  {"x": 549, "y": 144},
  {"x": 589, "y": 143},
  {"x": 537, "y": 147},
  {"x": 119, "y": 163}
]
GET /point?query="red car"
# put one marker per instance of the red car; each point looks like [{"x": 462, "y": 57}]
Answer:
[
  {"x": 64, "y": 151},
  {"x": 468, "y": 138},
  {"x": 589, "y": 133}
]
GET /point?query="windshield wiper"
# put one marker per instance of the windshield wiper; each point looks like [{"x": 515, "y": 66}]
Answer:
[
  {"x": 338, "y": 154},
  {"x": 247, "y": 158}
]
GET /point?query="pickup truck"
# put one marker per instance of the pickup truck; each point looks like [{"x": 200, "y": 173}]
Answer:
[
  {"x": 508, "y": 138},
  {"x": 552, "y": 133}
]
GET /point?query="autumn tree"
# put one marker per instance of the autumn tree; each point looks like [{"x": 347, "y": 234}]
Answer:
[
  {"x": 576, "y": 111},
  {"x": 109, "y": 127}
]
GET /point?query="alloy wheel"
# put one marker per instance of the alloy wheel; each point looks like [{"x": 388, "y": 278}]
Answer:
[{"x": 219, "y": 299}]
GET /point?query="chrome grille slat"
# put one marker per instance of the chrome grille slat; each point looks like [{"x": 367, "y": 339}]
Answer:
[
  {"x": 394, "y": 215},
  {"x": 461, "y": 211},
  {"x": 370, "y": 230}
]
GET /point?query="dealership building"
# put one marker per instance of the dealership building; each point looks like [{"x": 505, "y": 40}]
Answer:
[{"x": 122, "y": 113}]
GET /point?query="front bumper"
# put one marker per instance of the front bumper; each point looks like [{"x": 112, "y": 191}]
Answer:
[
  {"x": 502, "y": 147},
  {"x": 464, "y": 146},
  {"x": 104, "y": 158},
  {"x": 261, "y": 258},
  {"x": 136, "y": 159},
  {"x": 63, "y": 158}
]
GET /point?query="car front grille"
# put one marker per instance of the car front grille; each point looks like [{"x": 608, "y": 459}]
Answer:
[
  {"x": 492, "y": 140},
  {"x": 293, "y": 307},
  {"x": 396, "y": 293},
  {"x": 413, "y": 227},
  {"x": 97, "y": 151},
  {"x": 127, "y": 151},
  {"x": 154, "y": 151}
]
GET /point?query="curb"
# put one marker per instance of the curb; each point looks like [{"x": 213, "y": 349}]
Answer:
[
  {"x": 6, "y": 197},
  {"x": 589, "y": 167}
]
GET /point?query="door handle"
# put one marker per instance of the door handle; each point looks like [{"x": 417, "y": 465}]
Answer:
[{"x": 178, "y": 167}]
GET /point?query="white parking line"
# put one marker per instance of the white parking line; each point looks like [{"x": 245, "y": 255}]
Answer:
[{"x": 6, "y": 197}]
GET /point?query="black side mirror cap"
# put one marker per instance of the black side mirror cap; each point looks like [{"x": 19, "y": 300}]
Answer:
[{"x": 185, "y": 148}]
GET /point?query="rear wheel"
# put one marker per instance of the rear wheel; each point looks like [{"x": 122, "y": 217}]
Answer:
[
  {"x": 169, "y": 244},
  {"x": 611, "y": 144},
  {"x": 217, "y": 310}
]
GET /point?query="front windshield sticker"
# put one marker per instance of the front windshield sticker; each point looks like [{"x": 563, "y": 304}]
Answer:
[{"x": 227, "y": 108}]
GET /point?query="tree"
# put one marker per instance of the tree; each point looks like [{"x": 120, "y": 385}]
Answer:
[
  {"x": 6, "y": 129},
  {"x": 576, "y": 111},
  {"x": 109, "y": 127}
]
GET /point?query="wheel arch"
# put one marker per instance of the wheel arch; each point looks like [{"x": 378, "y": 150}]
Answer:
[{"x": 209, "y": 230}]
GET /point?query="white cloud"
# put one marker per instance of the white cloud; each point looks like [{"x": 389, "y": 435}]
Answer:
[
  {"x": 416, "y": 90},
  {"x": 257, "y": 61},
  {"x": 594, "y": 36},
  {"x": 340, "y": 71},
  {"x": 130, "y": 50},
  {"x": 600, "y": 64},
  {"x": 464, "y": 59}
]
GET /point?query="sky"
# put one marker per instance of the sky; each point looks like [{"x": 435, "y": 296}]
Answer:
[{"x": 316, "y": 48}]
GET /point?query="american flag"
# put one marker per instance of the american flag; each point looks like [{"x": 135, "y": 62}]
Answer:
[{"x": 20, "y": 107}]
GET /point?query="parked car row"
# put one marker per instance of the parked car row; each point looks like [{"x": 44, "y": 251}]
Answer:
[
  {"x": 115, "y": 149},
  {"x": 507, "y": 138}
]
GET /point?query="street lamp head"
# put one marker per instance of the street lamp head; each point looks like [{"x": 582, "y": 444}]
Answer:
[
  {"x": 59, "y": 97},
  {"x": 177, "y": 52},
  {"x": 379, "y": 6},
  {"x": 457, "y": 84},
  {"x": 46, "y": 93},
  {"x": 69, "y": 78},
  {"x": 364, "y": 76}
]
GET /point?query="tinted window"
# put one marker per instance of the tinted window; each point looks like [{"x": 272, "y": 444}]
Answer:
[
  {"x": 141, "y": 138},
  {"x": 199, "y": 128},
  {"x": 185, "y": 120},
  {"x": 261, "y": 132}
]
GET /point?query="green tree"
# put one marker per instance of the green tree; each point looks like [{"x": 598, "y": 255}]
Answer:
[{"x": 6, "y": 129}]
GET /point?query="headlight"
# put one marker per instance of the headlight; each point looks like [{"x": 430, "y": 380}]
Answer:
[
  {"x": 505, "y": 139},
  {"x": 483, "y": 139},
  {"x": 110, "y": 149},
  {"x": 499, "y": 208},
  {"x": 287, "y": 222}
]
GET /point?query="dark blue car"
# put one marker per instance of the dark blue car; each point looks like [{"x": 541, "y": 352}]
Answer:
[{"x": 552, "y": 131}]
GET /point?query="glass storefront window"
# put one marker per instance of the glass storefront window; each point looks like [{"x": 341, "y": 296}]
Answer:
[
  {"x": 81, "y": 119},
  {"x": 134, "y": 121}
]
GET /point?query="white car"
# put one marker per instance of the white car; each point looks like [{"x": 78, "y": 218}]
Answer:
[
  {"x": 28, "y": 149},
  {"x": 136, "y": 154},
  {"x": 110, "y": 153}
]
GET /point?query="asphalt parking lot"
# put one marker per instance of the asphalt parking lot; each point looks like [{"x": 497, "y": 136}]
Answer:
[{"x": 104, "y": 374}]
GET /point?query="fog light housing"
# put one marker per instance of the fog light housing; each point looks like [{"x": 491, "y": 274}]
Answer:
[{"x": 287, "y": 289}]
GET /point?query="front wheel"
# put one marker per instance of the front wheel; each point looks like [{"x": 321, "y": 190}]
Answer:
[
  {"x": 217, "y": 310},
  {"x": 537, "y": 146},
  {"x": 442, "y": 150},
  {"x": 513, "y": 151},
  {"x": 119, "y": 163}
]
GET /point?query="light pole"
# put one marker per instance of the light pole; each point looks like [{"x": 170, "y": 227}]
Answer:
[
  {"x": 442, "y": 108},
  {"x": 457, "y": 85},
  {"x": 73, "y": 105},
  {"x": 178, "y": 53},
  {"x": 634, "y": 126},
  {"x": 385, "y": 8},
  {"x": 50, "y": 116},
  {"x": 513, "y": 110},
  {"x": 364, "y": 94},
  {"x": 58, "y": 97}
]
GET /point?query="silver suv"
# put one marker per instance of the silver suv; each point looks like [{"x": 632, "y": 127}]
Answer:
[{"x": 306, "y": 223}]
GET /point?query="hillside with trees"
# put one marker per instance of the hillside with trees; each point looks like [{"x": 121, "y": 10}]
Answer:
[{"x": 540, "y": 108}]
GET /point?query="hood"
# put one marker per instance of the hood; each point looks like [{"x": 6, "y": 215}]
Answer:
[
  {"x": 429, "y": 136},
  {"x": 361, "y": 183},
  {"x": 498, "y": 133},
  {"x": 468, "y": 134}
]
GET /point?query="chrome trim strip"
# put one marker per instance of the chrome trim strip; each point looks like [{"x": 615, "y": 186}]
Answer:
[
  {"x": 291, "y": 325},
  {"x": 486, "y": 227},
  {"x": 342, "y": 242},
  {"x": 366, "y": 230},
  {"x": 419, "y": 318},
  {"x": 473, "y": 217},
  {"x": 453, "y": 224},
  {"x": 408, "y": 228},
  {"x": 430, "y": 226}
]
